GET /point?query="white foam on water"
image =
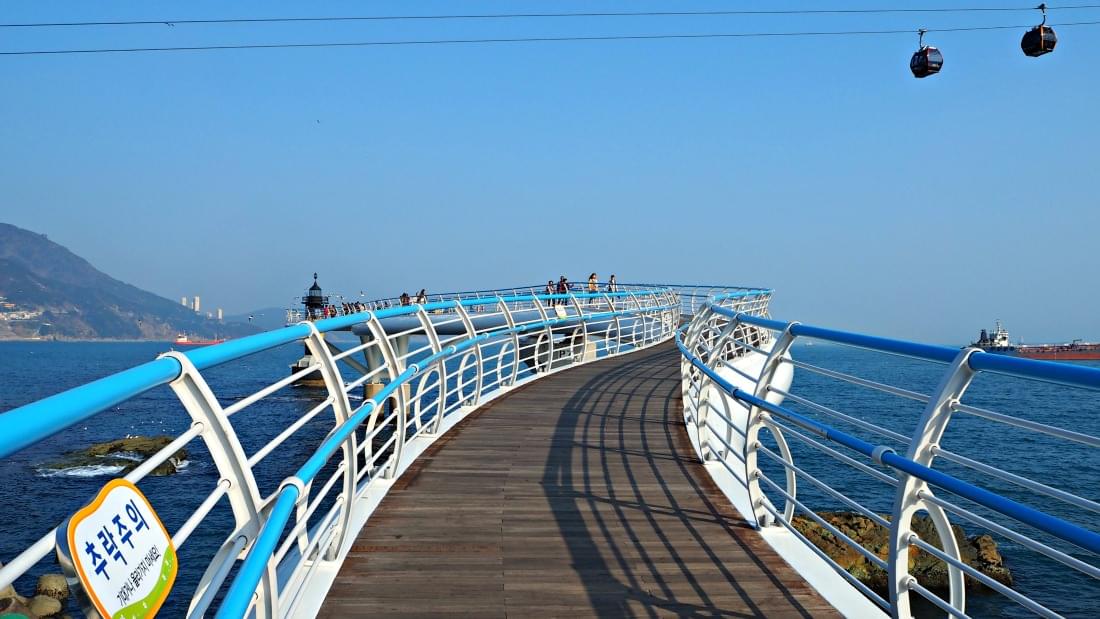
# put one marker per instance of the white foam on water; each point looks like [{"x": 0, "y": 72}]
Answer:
[
  {"x": 133, "y": 456},
  {"x": 91, "y": 470}
]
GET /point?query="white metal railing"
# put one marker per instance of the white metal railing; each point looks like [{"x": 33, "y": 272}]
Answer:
[
  {"x": 692, "y": 297},
  {"x": 744, "y": 418},
  {"x": 422, "y": 367}
]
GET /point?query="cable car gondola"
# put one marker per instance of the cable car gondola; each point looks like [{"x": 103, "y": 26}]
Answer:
[
  {"x": 1040, "y": 39},
  {"x": 927, "y": 60}
]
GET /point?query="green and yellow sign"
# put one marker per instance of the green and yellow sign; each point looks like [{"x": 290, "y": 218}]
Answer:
[{"x": 121, "y": 553}]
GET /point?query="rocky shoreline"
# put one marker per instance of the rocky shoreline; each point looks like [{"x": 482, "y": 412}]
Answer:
[{"x": 977, "y": 551}]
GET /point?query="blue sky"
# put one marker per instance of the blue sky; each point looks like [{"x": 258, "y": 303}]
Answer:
[{"x": 870, "y": 200}]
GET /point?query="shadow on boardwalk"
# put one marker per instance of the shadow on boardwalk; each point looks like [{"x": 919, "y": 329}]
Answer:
[{"x": 574, "y": 496}]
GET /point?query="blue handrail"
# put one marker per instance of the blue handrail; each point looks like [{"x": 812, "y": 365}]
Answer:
[
  {"x": 28, "y": 424},
  {"x": 1055, "y": 526},
  {"x": 1077, "y": 375}
]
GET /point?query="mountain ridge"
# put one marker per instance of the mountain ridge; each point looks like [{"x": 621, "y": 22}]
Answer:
[{"x": 49, "y": 291}]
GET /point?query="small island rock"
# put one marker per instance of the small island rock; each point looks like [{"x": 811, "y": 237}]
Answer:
[{"x": 125, "y": 453}]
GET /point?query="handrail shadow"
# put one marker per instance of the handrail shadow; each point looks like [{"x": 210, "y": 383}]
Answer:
[{"x": 629, "y": 500}]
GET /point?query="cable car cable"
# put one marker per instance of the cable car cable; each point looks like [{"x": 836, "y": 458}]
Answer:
[
  {"x": 744, "y": 12},
  {"x": 731, "y": 35}
]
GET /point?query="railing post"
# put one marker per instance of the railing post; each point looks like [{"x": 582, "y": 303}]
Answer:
[
  {"x": 758, "y": 418},
  {"x": 673, "y": 314},
  {"x": 471, "y": 331},
  {"x": 702, "y": 428},
  {"x": 702, "y": 400},
  {"x": 584, "y": 330},
  {"x": 711, "y": 360},
  {"x": 511, "y": 322},
  {"x": 440, "y": 368},
  {"x": 341, "y": 408},
  {"x": 634, "y": 329},
  {"x": 907, "y": 500},
  {"x": 548, "y": 333},
  {"x": 651, "y": 319},
  {"x": 394, "y": 367},
  {"x": 244, "y": 495},
  {"x": 618, "y": 326},
  {"x": 691, "y": 335}
]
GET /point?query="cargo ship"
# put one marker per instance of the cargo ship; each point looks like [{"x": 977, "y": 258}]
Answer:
[
  {"x": 998, "y": 342},
  {"x": 183, "y": 340}
]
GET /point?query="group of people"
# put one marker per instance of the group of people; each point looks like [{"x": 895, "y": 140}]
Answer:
[
  {"x": 563, "y": 287},
  {"x": 346, "y": 308},
  {"x": 421, "y": 298}
]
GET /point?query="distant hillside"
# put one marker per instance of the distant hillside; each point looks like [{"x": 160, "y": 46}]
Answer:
[{"x": 48, "y": 290}]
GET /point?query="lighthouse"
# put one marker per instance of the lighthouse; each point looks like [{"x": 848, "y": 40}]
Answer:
[{"x": 314, "y": 302}]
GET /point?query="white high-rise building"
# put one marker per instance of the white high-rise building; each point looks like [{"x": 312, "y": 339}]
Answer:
[
  {"x": 183, "y": 302},
  {"x": 197, "y": 307},
  {"x": 220, "y": 315}
]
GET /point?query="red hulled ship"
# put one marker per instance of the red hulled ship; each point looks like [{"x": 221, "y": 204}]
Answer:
[
  {"x": 183, "y": 340},
  {"x": 998, "y": 342}
]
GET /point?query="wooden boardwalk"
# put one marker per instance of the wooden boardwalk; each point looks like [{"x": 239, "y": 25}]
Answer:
[{"x": 573, "y": 496}]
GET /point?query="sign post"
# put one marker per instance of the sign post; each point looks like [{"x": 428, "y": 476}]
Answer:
[{"x": 117, "y": 555}]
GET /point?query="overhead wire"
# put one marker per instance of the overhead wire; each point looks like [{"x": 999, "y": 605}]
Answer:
[
  {"x": 541, "y": 15},
  {"x": 532, "y": 39},
  {"x": 640, "y": 37}
]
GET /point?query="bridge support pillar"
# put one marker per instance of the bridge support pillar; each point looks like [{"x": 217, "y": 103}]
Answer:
[
  {"x": 313, "y": 379},
  {"x": 401, "y": 348},
  {"x": 589, "y": 352}
]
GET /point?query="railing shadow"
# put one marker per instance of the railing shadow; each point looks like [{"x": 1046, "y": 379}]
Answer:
[{"x": 646, "y": 530}]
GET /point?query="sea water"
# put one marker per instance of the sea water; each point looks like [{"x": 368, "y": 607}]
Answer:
[{"x": 36, "y": 497}]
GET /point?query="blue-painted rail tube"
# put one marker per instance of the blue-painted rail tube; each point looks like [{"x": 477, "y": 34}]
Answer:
[{"x": 1028, "y": 515}]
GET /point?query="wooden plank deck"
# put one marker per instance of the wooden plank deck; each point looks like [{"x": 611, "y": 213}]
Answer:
[{"x": 573, "y": 496}]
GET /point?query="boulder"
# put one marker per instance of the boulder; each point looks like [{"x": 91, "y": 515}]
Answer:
[
  {"x": 53, "y": 585},
  {"x": 44, "y": 606},
  {"x": 978, "y": 551}
]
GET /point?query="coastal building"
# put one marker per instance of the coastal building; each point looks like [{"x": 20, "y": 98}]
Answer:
[{"x": 197, "y": 306}]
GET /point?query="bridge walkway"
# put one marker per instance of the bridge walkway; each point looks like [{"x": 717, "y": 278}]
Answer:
[{"x": 573, "y": 496}]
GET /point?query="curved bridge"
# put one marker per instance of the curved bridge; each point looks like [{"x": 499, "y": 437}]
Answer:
[
  {"x": 577, "y": 495},
  {"x": 554, "y": 454}
]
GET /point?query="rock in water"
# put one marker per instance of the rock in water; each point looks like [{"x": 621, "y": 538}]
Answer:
[
  {"x": 121, "y": 456},
  {"x": 53, "y": 585},
  {"x": 44, "y": 606},
  {"x": 978, "y": 551}
]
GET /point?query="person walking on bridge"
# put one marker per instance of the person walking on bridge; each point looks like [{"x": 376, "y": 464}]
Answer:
[
  {"x": 422, "y": 296},
  {"x": 612, "y": 285},
  {"x": 563, "y": 288},
  {"x": 404, "y": 299},
  {"x": 593, "y": 283},
  {"x": 549, "y": 290}
]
